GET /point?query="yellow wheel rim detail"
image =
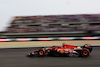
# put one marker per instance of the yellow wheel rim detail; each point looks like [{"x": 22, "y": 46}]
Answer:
[
  {"x": 85, "y": 53},
  {"x": 41, "y": 53}
]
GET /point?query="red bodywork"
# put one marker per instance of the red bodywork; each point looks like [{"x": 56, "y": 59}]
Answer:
[{"x": 64, "y": 49}]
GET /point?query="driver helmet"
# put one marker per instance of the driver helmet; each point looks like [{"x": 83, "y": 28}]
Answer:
[{"x": 63, "y": 44}]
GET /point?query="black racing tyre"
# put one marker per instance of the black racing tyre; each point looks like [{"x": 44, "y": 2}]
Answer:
[
  {"x": 85, "y": 53},
  {"x": 41, "y": 53}
]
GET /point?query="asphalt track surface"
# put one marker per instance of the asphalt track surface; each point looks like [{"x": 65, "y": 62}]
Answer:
[{"x": 17, "y": 58}]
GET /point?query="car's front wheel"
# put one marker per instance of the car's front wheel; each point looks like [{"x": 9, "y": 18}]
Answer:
[{"x": 41, "y": 53}]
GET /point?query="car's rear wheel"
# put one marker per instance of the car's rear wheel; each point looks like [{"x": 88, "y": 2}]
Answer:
[
  {"x": 85, "y": 53},
  {"x": 41, "y": 53}
]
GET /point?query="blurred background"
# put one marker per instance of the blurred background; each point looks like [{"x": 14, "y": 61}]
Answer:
[
  {"x": 54, "y": 26},
  {"x": 49, "y": 18}
]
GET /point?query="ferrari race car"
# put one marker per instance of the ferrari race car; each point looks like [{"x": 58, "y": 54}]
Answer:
[{"x": 64, "y": 50}]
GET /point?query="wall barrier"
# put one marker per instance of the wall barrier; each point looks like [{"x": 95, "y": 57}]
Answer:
[{"x": 49, "y": 39}]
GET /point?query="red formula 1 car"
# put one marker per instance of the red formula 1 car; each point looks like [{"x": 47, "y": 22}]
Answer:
[{"x": 64, "y": 50}]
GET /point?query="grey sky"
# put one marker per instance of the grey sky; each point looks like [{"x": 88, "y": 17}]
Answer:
[{"x": 11, "y": 8}]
